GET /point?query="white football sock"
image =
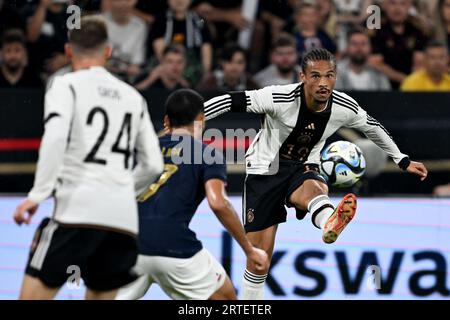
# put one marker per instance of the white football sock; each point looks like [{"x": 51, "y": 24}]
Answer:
[
  {"x": 321, "y": 209},
  {"x": 253, "y": 286}
]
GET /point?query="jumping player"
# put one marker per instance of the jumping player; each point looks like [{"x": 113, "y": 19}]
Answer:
[
  {"x": 170, "y": 253},
  {"x": 282, "y": 163}
]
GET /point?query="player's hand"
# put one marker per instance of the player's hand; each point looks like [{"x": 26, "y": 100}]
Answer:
[
  {"x": 418, "y": 169},
  {"x": 258, "y": 259},
  {"x": 20, "y": 215}
]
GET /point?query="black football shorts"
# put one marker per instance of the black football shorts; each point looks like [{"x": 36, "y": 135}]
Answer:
[
  {"x": 104, "y": 258},
  {"x": 265, "y": 196}
]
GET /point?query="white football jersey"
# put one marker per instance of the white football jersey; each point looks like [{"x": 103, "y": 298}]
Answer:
[
  {"x": 291, "y": 131},
  {"x": 96, "y": 128}
]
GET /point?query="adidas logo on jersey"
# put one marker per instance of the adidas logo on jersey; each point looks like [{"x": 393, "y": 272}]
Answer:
[{"x": 310, "y": 127}]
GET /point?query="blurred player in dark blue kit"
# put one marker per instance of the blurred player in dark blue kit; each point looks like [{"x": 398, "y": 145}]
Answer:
[{"x": 170, "y": 253}]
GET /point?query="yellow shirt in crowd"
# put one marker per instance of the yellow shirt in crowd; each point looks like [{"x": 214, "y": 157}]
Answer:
[{"x": 420, "y": 81}]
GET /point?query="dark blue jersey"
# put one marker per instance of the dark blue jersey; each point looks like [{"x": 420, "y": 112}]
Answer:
[{"x": 167, "y": 207}]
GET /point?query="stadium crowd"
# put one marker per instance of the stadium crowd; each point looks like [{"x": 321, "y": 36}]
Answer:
[{"x": 201, "y": 44}]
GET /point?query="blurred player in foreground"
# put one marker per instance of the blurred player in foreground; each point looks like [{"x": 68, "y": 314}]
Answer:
[
  {"x": 282, "y": 162},
  {"x": 170, "y": 253},
  {"x": 93, "y": 122}
]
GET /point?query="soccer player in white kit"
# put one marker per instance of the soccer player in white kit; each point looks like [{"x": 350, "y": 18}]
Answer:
[
  {"x": 95, "y": 127},
  {"x": 282, "y": 163}
]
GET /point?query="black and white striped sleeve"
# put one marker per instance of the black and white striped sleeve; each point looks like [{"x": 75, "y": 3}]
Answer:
[
  {"x": 375, "y": 131},
  {"x": 254, "y": 101}
]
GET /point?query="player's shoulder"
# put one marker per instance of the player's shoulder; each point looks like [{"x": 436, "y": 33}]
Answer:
[
  {"x": 126, "y": 90},
  {"x": 343, "y": 100},
  {"x": 129, "y": 89},
  {"x": 60, "y": 82},
  {"x": 285, "y": 94},
  {"x": 286, "y": 89}
]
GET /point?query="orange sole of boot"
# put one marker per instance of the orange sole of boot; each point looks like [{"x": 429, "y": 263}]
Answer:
[{"x": 343, "y": 214}]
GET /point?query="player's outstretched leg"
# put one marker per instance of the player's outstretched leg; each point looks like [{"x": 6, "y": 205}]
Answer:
[
  {"x": 312, "y": 196},
  {"x": 340, "y": 218}
]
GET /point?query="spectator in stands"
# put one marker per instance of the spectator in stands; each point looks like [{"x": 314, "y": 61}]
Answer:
[
  {"x": 14, "y": 58},
  {"x": 47, "y": 33},
  {"x": 434, "y": 75},
  {"x": 232, "y": 76},
  {"x": 9, "y": 18},
  {"x": 350, "y": 14},
  {"x": 442, "y": 18},
  {"x": 307, "y": 31},
  {"x": 89, "y": 6},
  {"x": 128, "y": 35},
  {"x": 421, "y": 14},
  {"x": 272, "y": 19},
  {"x": 169, "y": 74},
  {"x": 224, "y": 16},
  {"x": 148, "y": 10},
  {"x": 144, "y": 9},
  {"x": 179, "y": 25},
  {"x": 327, "y": 14},
  {"x": 398, "y": 45},
  {"x": 284, "y": 68},
  {"x": 354, "y": 73},
  {"x": 277, "y": 14}
]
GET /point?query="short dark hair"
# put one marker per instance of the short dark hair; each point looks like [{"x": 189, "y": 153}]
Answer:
[
  {"x": 435, "y": 44},
  {"x": 92, "y": 35},
  {"x": 183, "y": 106},
  {"x": 230, "y": 50},
  {"x": 174, "y": 48},
  {"x": 13, "y": 36},
  {"x": 317, "y": 55},
  {"x": 283, "y": 40},
  {"x": 356, "y": 30}
]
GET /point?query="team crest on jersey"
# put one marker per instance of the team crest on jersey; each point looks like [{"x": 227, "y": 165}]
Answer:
[{"x": 250, "y": 215}]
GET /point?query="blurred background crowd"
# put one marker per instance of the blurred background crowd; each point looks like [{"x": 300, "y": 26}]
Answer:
[{"x": 236, "y": 44}]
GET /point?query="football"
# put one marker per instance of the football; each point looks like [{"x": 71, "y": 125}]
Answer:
[{"x": 342, "y": 163}]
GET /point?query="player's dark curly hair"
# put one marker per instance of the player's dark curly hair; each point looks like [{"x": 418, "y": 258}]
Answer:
[
  {"x": 317, "y": 55},
  {"x": 183, "y": 106}
]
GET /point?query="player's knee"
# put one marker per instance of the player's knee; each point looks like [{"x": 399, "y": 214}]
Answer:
[
  {"x": 259, "y": 272},
  {"x": 250, "y": 267},
  {"x": 315, "y": 188},
  {"x": 309, "y": 190}
]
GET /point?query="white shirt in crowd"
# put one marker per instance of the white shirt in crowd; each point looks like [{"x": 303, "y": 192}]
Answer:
[
  {"x": 368, "y": 79},
  {"x": 270, "y": 76},
  {"x": 129, "y": 41}
]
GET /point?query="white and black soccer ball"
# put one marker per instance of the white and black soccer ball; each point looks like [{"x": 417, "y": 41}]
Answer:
[{"x": 342, "y": 163}]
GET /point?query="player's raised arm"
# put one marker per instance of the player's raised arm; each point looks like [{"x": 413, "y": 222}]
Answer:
[
  {"x": 150, "y": 163},
  {"x": 379, "y": 135},
  {"x": 59, "y": 102},
  {"x": 255, "y": 101},
  {"x": 219, "y": 203}
]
